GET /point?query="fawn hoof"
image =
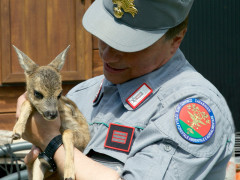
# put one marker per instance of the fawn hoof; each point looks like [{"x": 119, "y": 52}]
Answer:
[
  {"x": 16, "y": 136},
  {"x": 69, "y": 178}
]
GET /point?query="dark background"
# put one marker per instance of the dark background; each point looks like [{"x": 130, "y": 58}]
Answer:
[{"x": 212, "y": 47}]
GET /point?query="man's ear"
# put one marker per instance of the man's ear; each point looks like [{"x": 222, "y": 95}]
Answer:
[{"x": 177, "y": 40}]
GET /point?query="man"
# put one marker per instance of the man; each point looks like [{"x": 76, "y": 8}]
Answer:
[{"x": 151, "y": 116}]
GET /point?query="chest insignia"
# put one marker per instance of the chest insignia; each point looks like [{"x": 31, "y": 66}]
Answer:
[
  {"x": 195, "y": 121},
  {"x": 124, "y": 6},
  {"x": 119, "y": 137},
  {"x": 139, "y": 95}
]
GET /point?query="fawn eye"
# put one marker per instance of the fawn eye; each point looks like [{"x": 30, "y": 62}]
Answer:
[
  {"x": 38, "y": 94},
  {"x": 59, "y": 95}
]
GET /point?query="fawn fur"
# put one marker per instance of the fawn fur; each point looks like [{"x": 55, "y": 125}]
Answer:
[{"x": 44, "y": 87}]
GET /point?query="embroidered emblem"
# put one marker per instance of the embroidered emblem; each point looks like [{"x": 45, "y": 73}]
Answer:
[
  {"x": 126, "y": 5},
  {"x": 119, "y": 137},
  {"x": 139, "y": 95},
  {"x": 195, "y": 120}
]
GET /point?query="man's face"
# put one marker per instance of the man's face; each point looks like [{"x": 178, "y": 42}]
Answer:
[{"x": 120, "y": 67}]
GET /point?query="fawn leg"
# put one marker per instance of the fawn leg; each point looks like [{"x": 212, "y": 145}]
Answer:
[
  {"x": 69, "y": 171},
  {"x": 20, "y": 125},
  {"x": 38, "y": 170}
]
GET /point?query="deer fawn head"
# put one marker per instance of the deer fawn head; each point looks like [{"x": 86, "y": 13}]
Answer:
[{"x": 43, "y": 83}]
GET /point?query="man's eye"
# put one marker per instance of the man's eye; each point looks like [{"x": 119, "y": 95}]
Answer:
[
  {"x": 59, "y": 95},
  {"x": 38, "y": 94}
]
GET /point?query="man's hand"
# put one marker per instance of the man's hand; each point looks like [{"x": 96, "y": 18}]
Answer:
[
  {"x": 20, "y": 101},
  {"x": 29, "y": 160}
]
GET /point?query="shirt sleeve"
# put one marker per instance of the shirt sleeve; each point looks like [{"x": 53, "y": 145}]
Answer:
[
  {"x": 165, "y": 159},
  {"x": 160, "y": 152}
]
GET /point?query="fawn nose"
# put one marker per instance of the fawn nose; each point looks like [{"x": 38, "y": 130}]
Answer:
[{"x": 51, "y": 114}]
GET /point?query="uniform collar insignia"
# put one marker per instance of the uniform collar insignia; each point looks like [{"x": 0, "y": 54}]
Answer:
[
  {"x": 139, "y": 95},
  {"x": 195, "y": 120},
  {"x": 124, "y": 6},
  {"x": 98, "y": 92}
]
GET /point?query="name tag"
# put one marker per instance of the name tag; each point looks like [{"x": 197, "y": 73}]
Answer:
[{"x": 139, "y": 95}]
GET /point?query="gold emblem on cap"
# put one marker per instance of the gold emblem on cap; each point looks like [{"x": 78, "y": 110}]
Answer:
[{"x": 126, "y": 5}]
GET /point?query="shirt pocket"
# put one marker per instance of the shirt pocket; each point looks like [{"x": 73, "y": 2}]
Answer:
[{"x": 152, "y": 162}]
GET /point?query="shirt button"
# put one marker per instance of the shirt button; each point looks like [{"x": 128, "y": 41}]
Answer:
[{"x": 167, "y": 147}]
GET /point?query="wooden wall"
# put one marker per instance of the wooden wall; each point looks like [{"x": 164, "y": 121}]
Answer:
[{"x": 42, "y": 29}]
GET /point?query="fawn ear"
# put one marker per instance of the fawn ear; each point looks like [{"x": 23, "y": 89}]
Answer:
[
  {"x": 26, "y": 63},
  {"x": 58, "y": 62}
]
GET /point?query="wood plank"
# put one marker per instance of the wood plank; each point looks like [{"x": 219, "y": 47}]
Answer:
[
  {"x": 88, "y": 41},
  {"x": 5, "y": 39},
  {"x": 8, "y": 98},
  {"x": 7, "y": 121},
  {"x": 35, "y": 42},
  {"x": 83, "y": 41},
  {"x": 13, "y": 78},
  {"x": 61, "y": 30},
  {"x": 42, "y": 29},
  {"x": 17, "y": 35}
]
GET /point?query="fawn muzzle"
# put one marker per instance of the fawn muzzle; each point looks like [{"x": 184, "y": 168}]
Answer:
[{"x": 50, "y": 114}]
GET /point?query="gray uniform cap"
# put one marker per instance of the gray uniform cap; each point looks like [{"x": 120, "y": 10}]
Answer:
[{"x": 133, "y": 25}]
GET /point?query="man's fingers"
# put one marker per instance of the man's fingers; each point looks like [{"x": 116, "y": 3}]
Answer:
[
  {"x": 32, "y": 156},
  {"x": 20, "y": 100}
]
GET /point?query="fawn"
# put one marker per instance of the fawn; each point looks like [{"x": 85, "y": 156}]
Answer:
[{"x": 43, "y": 85}]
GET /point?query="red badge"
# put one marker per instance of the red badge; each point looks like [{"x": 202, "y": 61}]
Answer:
[
  {"x": 139, "y": 95},
  {"x": 195, "y": 120},
  {"x": 119, "y": 137}
]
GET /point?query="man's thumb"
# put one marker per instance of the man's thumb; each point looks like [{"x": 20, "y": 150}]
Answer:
[{"x": 32, "y": 156}]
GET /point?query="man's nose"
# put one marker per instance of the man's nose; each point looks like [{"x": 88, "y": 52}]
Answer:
[{"x": 110, "y": 55}]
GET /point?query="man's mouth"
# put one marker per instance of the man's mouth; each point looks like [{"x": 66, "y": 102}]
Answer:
[{"x": 111, "y": 69}]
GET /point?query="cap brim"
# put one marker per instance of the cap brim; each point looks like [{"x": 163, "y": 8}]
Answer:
[{"x": 99, "y": 22}]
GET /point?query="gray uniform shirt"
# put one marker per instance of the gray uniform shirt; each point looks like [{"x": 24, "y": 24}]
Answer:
[{"x": 157, "y": 150}]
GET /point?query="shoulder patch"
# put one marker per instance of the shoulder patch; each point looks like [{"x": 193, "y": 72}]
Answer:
[{"x": 195, "y": 120}]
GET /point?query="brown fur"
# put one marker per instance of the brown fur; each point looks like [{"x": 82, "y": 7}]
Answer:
[{"x": 46, "y": 80}]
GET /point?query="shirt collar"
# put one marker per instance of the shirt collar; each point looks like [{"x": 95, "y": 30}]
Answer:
[{"x": 154, "y": 80}]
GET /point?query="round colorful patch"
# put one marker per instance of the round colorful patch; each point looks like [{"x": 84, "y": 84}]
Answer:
[{"x": 195, "y": 120}]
